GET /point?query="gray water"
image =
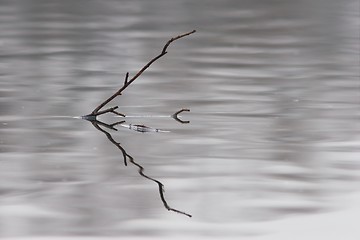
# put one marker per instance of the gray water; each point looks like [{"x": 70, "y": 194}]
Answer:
[{"x": 274, "y": 93}]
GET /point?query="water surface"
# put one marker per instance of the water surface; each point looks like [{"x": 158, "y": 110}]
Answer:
[{"x": 274, "y": 93}]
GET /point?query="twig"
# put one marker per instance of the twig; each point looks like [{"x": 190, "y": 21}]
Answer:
[
  {"x": 175, "y": 115},
  {"x": 127, "y": 82}
]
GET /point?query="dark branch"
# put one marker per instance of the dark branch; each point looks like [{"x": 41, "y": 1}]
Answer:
[
  {"x": 127, "y": 82},
  {"x": 175, "y": 115}
]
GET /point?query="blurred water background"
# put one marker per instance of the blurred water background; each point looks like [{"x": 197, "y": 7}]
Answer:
[{"x": 274, "y": 92}]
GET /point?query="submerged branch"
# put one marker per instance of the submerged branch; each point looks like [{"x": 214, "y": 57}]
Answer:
[
  {"x": 97, "y": 124},
  {"x": 161, "y": 187},
  {"x": 126, "y": 156}
]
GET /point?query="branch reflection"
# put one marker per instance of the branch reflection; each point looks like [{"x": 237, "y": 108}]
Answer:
[{"x": 99, "y": 125}]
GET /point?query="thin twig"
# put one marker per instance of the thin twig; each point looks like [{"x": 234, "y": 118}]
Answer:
[
  {"x": 127, "y": 82},
  {"x": 175, "y": 115},
  {"x": 107, "y": 110}
]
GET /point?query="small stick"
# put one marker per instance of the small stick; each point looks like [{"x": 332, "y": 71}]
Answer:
[
  {"x": 112, "y": 109},
  {"x": 127, "y": 82},
  {"x": 175, "y": 115}
]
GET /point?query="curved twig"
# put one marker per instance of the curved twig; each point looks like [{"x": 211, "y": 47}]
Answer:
[
  {"x": 127, "y": 82},
  {"x": 175, "y": 115}
]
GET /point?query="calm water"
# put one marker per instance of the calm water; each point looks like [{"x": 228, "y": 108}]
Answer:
[{"x": 274, "y": 93}]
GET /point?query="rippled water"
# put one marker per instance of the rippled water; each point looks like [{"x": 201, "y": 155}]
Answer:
[{"x": 274, "y": 93}]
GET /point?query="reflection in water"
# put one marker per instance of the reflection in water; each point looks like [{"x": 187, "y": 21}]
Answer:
[{"x": 140, "y": 128}]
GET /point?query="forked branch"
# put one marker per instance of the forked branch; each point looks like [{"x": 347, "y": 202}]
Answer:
[{"x": 127, "y": 81}]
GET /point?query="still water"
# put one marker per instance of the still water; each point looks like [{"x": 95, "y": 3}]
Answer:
[{"x": 274, "y": 96}]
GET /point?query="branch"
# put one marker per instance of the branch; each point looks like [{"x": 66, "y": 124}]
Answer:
[{"x": 127, "y": 82}]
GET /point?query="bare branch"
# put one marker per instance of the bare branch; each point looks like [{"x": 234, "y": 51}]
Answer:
[{"x": 127, "y": 82}]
